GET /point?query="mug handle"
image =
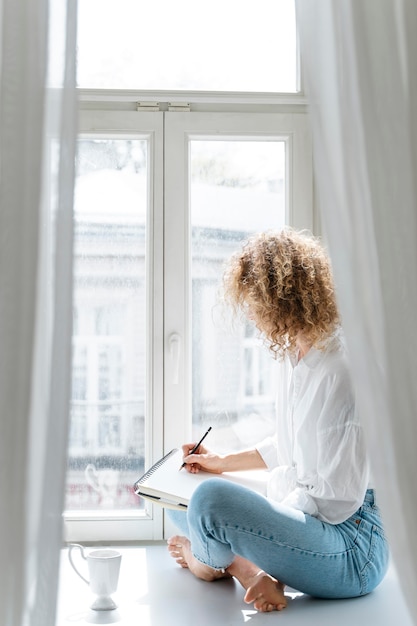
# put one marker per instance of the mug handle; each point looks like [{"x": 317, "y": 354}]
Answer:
[{"x": 71, "y": 547}]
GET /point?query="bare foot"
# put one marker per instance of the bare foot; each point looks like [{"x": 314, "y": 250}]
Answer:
[
  {"x": 266, "y": 592},
  {"x": 175, "y": 549},
  {"x": 180, "y": 549}
]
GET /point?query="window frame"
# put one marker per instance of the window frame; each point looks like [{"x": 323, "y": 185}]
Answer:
[
  {"x": 93, "y": 526},
  {"x": 180, "y": 129},
  {"x": 115, "y": 115}
]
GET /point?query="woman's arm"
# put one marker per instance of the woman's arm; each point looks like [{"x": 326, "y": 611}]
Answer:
[{"x": 209, "y": 461}]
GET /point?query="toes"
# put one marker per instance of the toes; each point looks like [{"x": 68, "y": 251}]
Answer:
[
  {"x": 267, "y": 607},
  {"x": 250, "y": 596},
  {"x": 263, "y": 606},
  {"x": 179, "y": 558},
  {"x": 176, "y": 546},
  {"x": 175, "y": 540},
  {"x": 266, "y": 595}
]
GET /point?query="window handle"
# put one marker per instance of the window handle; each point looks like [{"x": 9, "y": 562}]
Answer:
[{"x": 175, "y": 354}]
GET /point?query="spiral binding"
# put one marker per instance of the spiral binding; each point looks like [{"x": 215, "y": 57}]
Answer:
[{"x": 157, "y": 465}]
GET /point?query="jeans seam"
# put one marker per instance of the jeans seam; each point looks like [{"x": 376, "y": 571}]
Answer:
[
  {"x": 204, "y": 561},
  {"x": 365, "y": 568},
  {"x": 275, "y": 541}
]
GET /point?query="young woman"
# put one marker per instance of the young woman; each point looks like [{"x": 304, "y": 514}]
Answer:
[{"x": 319, "y": 529}]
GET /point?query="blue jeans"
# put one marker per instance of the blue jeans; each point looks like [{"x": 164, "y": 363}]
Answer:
[{"x": 323, "y": 560}]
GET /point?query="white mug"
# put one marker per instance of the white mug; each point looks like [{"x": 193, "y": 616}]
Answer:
[{"x": 103, "y": 567}]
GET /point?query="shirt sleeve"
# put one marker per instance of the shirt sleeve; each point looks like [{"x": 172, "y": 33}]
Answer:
[
  {"x": 325, "y": 447},
  {"x": 342, "y": 477},
  {"x": 268, "y": 450},
  {"x": 332, "y": 465},
  {"x": 342, "y": 473},
  {"x": 300, "y": 499}
]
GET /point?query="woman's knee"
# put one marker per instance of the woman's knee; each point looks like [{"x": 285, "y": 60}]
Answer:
[
  {"x": 220, "y": 502},
  {"x": 210, "y": 497},
  {"x": 207, "y": 493}
]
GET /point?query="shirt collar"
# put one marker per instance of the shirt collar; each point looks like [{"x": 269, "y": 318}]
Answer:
[{"x": 314, "y": 355}]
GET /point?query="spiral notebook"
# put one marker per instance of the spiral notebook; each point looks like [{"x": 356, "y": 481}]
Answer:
[{"x": 164, "y": 484}]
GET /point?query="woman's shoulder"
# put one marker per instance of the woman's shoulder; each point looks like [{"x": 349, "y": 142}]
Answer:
[
  {"x": 330, "y": 349},
  {"x": 334, "y": 381},
  {"x": 331, "y": 363},
  {"x": 334, "y": 348},
  {"x": 335, "y": 341}
]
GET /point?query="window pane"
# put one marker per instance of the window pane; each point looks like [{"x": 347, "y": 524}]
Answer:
[
  {"x": 237, "y": 188},
  {"x": 106, "y": 444},
  {"x": 187, "y": 45}
]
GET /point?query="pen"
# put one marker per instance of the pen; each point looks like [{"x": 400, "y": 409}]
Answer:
[{"x": 197, "y": 445}]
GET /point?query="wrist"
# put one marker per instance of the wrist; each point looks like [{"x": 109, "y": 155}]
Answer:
[
  {"x": 246, "y": 460},
  {"x": 227, "y": 462}
]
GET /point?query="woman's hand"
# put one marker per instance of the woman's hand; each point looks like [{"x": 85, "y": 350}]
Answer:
[
  {"x": 207, "y": 461},
  {"x": 203, "y": 459}
]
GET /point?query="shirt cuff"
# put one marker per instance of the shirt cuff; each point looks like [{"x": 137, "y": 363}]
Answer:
[
  {"x": 268, "y": 451},
  {"x": 302, "y": 501}
]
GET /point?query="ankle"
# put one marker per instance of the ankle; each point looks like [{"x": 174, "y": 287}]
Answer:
[{"x": 244, "y": 571}]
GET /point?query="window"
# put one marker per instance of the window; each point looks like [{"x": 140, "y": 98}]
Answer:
[
  {"x": 239, "y": 173},
  {"x": 238, "y": 186},
  {"x": 110, "y": 344},
  {"x": 155, "y": 358},
  {"x": 186, "y": 45},
  {"x": 162, "y": 199}
]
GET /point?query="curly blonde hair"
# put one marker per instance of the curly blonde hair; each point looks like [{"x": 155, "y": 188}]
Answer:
[{"x": 284, "y": 281}]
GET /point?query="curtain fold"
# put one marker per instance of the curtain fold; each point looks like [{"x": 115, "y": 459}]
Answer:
[
  {"x": 358, "y": 60},
  {"x": 37, "y": 137}
]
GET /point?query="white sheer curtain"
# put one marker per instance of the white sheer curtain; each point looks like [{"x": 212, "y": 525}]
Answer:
[
  {"x": 359, "y": 61},
  {"x": 37, "y": 137}
]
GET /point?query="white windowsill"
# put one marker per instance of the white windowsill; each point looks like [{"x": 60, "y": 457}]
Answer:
[{"x": 155, "y": 591}]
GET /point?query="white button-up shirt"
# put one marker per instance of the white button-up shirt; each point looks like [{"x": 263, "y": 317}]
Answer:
[{"x": 318, "y": 459}]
